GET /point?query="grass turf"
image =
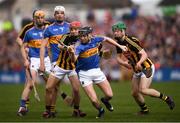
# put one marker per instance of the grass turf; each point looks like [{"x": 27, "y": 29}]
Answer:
[{"x": 125, "y": 107}]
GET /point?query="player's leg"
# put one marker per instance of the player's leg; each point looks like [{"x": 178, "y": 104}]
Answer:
[
  {"x": 31, "y": 75},
  {"x": 144, "y": 89},
  {"x": 106, "y": 88},
  {"x": 66, "y": 98},
  {"x": 138, "y": 97},
  {"x": 49, "y": 100},
  {"x": 90, "y": 92},
  {"x": 76, "y": 95},
  {"x": 24, "y": 102},
  {"x": 85, "y": 78},
  {"x": 100, "y": 79}
]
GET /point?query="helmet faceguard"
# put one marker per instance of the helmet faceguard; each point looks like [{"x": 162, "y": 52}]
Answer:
[{"x": 85, "y": 31}]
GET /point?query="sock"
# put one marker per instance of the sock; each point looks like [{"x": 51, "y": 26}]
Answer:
[
  {"x": 163, "y": 97},
  {"x": 48, "y": 108},
  {"x": 23, "y": 103},
  {"x": 63, "y": 95},
  {"x": 144, "y": 107},
  {"x": 52, "y": 108},
  {"x": 106, "y": 99},
  {"x": 27, "y": 103},
  {"x": 76, "y": 107}
]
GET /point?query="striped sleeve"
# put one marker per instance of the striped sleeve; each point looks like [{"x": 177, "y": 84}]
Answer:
[
  {"x": 24, "y": 29},
  {"x": 135, "y": 45}
]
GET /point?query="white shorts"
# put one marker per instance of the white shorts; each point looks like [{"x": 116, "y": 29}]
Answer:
[
  {"x": 141, "y": 74},
  {"x": 60, "y": 73},
  {"x": 91, "y": 76},
  {"x": 53, "y": 64},
  {"x": 35, "y": 64}
]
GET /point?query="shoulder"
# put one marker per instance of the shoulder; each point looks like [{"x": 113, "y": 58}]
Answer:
[
  {"x": 97, "y": 38},
  {"x": 30, "y": 30},
  {"x": 66, "y": 23},
  {"x": 27, "y": 27},
  {"x": 30, "y": 25}
]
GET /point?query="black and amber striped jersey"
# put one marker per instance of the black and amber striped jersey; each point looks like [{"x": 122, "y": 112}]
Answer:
[
  {"x": 64, "y": 61},
  {"x": 134, "y": 46},
  {"x": 27, "y": 27}
]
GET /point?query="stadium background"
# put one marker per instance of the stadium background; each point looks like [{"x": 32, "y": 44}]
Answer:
[{"x": 155, "y": 22}]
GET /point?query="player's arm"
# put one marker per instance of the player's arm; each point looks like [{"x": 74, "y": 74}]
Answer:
[
  {"x": 24, "y": 55},
  {"x": 19, "y": 41},
  {"x": 143, "y": 57},
  {"x": 111, "y": 41},
  {"x": 123, "y": 62},
  {"x": 62, "y": 42},
  {"x": 42, "y": 53},
  {"x": 72, "y": 53}
]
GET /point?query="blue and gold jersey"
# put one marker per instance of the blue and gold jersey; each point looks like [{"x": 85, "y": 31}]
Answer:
[
  {"x": 34, "y": 38},
  {"x": 88, "y": 54},
  {"x": 54, "y": 32}
]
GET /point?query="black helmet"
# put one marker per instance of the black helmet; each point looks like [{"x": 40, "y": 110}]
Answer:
[{"x": 85, "y": 30}]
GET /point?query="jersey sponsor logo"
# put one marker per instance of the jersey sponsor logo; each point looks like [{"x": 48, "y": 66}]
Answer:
[
  {"x": 35, "y": 34},
  {"x": 61, "y": 28},
  {"x": 35, "y": 43},
  {"x": 89, "y": 53},
  {"x": 55, "y": 29}
]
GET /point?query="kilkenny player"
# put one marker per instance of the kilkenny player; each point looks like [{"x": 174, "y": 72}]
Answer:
[
  {"x": 64, "y": 66},
  {"x": 143, "y": 68}
]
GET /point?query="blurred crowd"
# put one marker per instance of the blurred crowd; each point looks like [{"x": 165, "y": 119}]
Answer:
[
  {"x": 10, "y": 56},
  {"x": 159, "y": 36}
]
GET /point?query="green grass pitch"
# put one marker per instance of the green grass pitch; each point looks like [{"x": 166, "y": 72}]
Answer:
[{"x": 125, "y": 107}]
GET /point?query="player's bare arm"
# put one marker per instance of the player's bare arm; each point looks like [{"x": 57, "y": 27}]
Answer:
[
  {"x": 42, "y": 52},
  {"x": 19, "y": 41},
  {"x": 124, "y": 48},
  {"x": 144, "y": 56},
  {"x": 24, "y": 55},
  {"x": 122, "y": 62}
]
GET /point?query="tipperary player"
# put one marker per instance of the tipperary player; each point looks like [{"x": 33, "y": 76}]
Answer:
[{"x": 87, "y": 56}]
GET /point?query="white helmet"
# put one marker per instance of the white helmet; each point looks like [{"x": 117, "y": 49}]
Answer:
[{"x": 59, "y": 8}]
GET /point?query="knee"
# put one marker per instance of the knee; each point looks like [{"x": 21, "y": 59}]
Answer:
[
  {"x": 49, "y": 88},
  {"x": 29, "y": 86},
  {"x": 143, "y": 91},
  {"x": 76, "y": 91}
]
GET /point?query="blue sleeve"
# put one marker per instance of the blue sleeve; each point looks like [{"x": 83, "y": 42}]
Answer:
[
  {"x": 26, "y": 37},
  {"x": 78, "y": 50},
  {"x": 99, "y": 39},
  {"x": 46, "y": 33}
]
